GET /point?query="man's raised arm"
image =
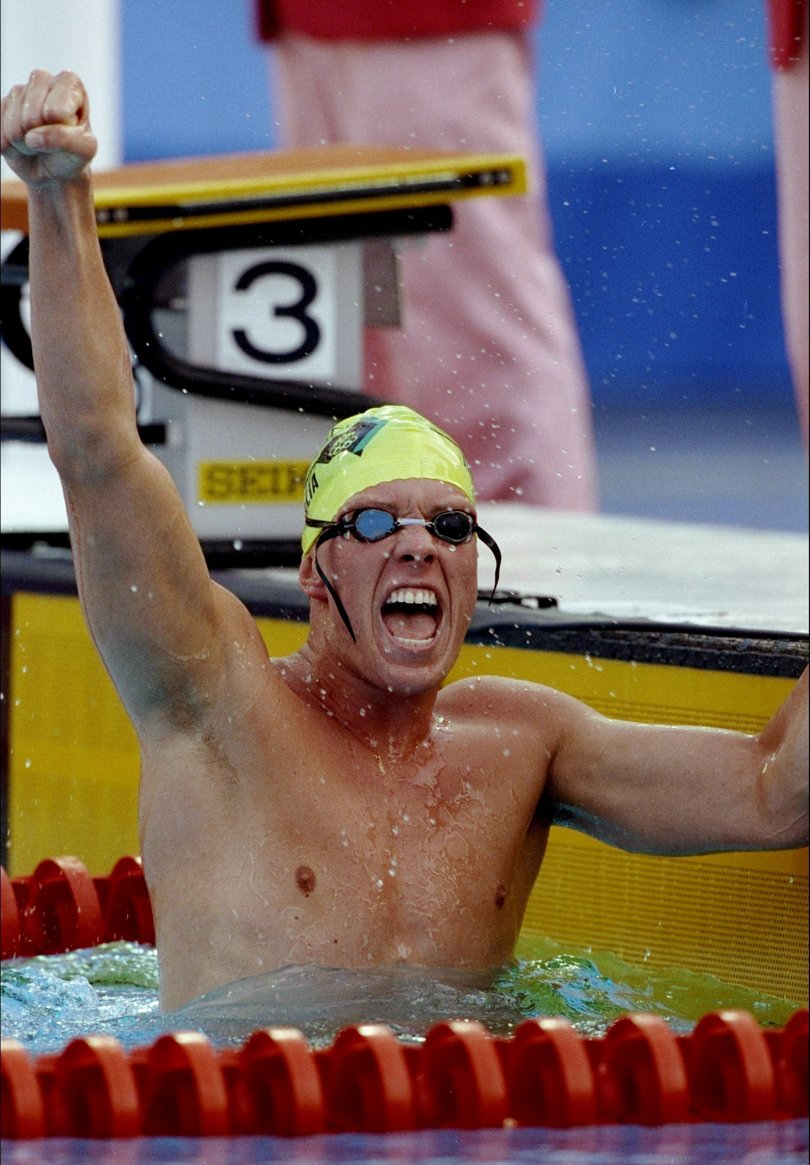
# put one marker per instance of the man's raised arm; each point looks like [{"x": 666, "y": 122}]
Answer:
[{"x": 143, "y": 582}]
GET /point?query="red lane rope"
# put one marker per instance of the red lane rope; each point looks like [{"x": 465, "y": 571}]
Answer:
[
  {"x": 367, "y": 1081},
  {"x": 60, "y": 907},
  {"x": 461, "y": 1076}
]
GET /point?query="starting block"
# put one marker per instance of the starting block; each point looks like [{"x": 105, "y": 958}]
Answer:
[{"x": 245, "y": 282}]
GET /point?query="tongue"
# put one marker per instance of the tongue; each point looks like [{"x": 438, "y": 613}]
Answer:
[{"x": 420, "y": 625}]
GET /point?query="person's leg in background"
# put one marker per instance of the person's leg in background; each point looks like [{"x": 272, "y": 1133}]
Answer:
[
  {"x": 489, "y": 345},
  {"x": 790, "y": 100}
]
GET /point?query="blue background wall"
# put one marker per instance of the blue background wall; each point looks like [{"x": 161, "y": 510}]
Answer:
[{"x": 656, "y": 122}]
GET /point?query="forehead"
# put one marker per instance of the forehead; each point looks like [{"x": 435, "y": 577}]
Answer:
[{"x": 411, "y": 493}]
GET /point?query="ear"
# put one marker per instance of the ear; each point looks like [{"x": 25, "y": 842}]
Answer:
[{"x": 308, "y": 577}]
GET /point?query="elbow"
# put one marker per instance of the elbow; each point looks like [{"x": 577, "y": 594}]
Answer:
[
  {"x": 789, "y": 834},
  {"x": 89, "y": 454},
  {"x": 782, "y": 804}
]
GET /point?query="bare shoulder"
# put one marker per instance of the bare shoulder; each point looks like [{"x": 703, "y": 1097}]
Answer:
[
  {"x": 512, "y": 729},
  {"x": 510, "y": 699}
]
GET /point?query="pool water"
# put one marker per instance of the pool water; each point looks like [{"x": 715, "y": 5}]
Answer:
[
  {"x": 113, "y": 989},
  {"x": 767, "y": 1143}
]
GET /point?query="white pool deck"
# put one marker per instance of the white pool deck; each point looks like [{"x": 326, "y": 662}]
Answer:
[{"x": 630, "y": 567}]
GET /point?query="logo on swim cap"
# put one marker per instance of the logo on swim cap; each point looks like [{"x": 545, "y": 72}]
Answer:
[
  {"x": 388, "y": 443},
  {"x": 351, "y": 440}
]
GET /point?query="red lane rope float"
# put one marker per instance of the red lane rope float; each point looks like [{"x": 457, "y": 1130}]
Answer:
[
  {"x": 644, "y": 1073},
  {"x": 283, "y": 1087},
  {"x": 68, "y": 911},
  {"x": 369, "y": 1087},
  {"x": 463, "y": 1082},
  {"x": 9, "y": 918},
  {"x": 127, "y": 906},
  {"x": 791, "y": 1061},
  {"x": 732, "y": 1068},
  {"x": 183, "y": 1088},
  {"x": 97, "y": 1083},
  {"x": 22, "y": 1113},
  {"x": 550, "y": 1079}
]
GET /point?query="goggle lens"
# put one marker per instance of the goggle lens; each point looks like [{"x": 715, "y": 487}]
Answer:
[
  {"x": 453, "y": 526},
  {"x": 372, "y": 525}
]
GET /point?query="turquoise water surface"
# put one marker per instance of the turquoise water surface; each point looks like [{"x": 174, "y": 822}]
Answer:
[{"x": 113, "y": 989}]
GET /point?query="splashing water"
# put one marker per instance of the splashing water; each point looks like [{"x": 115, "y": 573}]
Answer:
[{"x": 113, "y": 989}]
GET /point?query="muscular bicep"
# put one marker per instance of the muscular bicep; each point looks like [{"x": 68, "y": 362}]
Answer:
[
  {"x": 159, "y": 622},
  {"x": 657, "y": 788}
]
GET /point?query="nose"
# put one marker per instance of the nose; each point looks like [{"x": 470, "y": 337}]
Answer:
[{"x": 414, "y": 543}]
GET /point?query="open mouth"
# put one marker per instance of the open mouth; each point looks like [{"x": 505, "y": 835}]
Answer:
[{"x": 411, "y": 615}]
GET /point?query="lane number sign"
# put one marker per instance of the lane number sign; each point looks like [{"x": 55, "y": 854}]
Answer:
[{"x": 286, "y": 313}]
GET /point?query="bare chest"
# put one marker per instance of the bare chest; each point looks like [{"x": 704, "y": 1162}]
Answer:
[
  {"x": 385, "y": 829},
  {"x": 340, "y": 855}
]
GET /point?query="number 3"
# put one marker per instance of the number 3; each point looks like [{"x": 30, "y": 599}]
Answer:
[{"x": 295, "y": 310}]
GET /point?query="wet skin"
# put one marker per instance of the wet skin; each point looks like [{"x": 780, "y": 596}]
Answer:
[{"x": 362, "y": 815}]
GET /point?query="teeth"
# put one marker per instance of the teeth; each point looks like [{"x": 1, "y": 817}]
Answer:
[{"x": 419, "y": 597}]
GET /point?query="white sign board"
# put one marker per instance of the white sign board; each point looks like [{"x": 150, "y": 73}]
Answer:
[{"x": 279, "y": 313}]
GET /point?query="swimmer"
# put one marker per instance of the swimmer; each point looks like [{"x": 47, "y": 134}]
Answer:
[{"x": 340, "y": 806}]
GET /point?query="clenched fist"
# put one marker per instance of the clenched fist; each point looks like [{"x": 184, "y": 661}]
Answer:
[{"x": 46, "y": 134}]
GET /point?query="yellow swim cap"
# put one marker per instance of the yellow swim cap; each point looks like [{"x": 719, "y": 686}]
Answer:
[{"x": 388, "y": 443}]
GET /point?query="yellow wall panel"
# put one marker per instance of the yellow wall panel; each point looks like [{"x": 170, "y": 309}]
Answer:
[
  {"x": 73, "y": 763},
  {"x": 741, "y": 917}
]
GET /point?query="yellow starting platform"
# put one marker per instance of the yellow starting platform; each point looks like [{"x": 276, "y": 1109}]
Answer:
[
  {"x": 245, "y": 283},
  {"x": 281, "y": 185}
]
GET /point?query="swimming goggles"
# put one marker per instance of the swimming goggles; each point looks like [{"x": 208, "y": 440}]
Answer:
[{"x": 372, "y": 525}]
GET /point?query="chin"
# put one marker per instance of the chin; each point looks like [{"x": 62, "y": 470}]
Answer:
[{"x": 418, "y": 673}]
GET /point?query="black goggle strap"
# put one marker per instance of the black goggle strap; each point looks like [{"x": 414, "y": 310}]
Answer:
[
  {"x": 332, "y": 532},
  {"x": 489, "y": 541}
]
